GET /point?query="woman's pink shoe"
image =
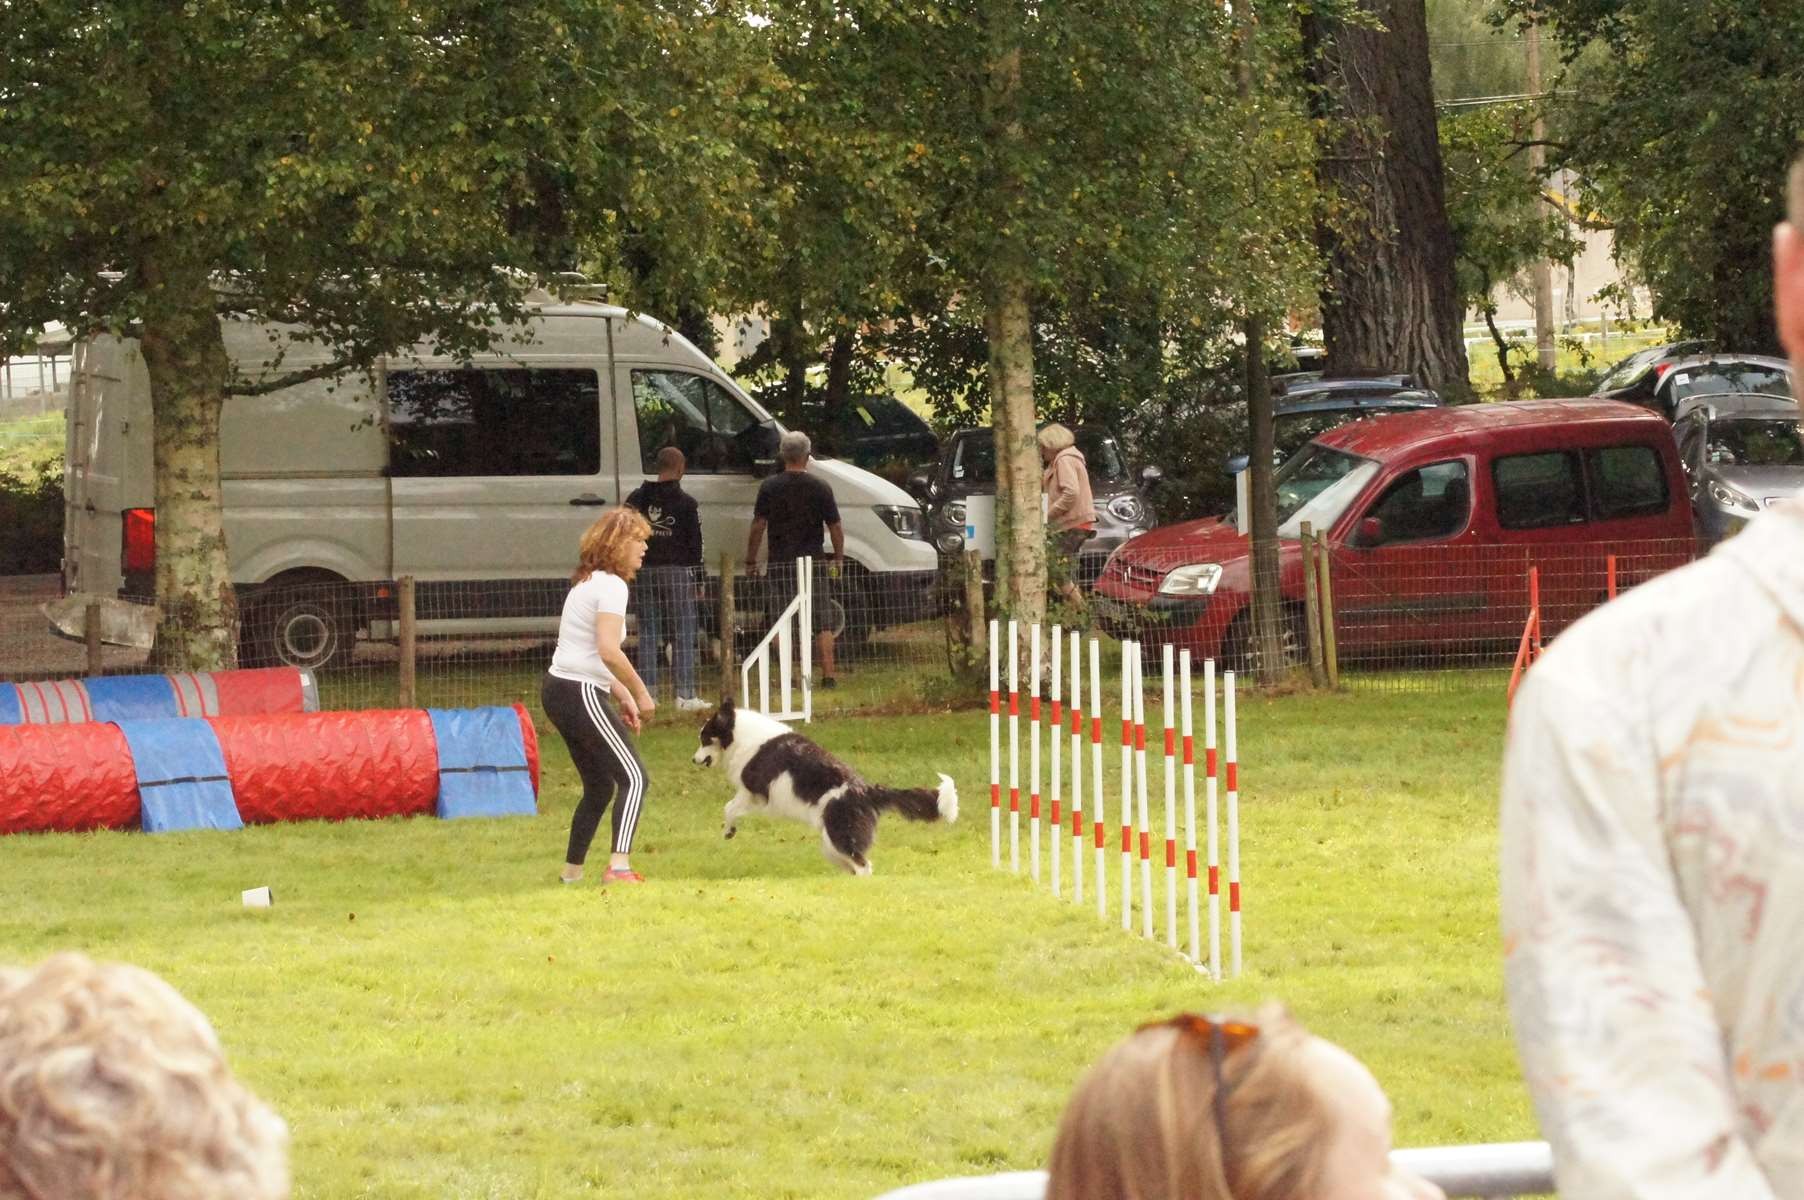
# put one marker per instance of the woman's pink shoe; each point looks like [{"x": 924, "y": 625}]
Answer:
[{"x": 626, "y": 876}]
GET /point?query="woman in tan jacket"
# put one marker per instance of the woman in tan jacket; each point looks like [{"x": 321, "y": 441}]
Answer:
[{"x": 1070, "y": 509}]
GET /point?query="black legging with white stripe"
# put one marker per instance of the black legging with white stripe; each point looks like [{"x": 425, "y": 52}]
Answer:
[{"x": 602, "y": 748}]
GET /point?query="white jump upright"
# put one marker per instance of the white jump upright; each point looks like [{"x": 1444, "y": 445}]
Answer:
[
  {"x": 1033, "y": 750},
  {"x": 1055, "y": 816},
  {"x": 1196, "y": 955},
  {"x": 792, "y": 630},
  {"x": 1099, "y": 882},
  {"x": 1014, "y": 748},
  {"x": 1077, "y": 768},
  {"x": 1127, "y": 785},
  {"x": 1183, "y": 929},
  {"x": 1171, "y": 790},
  {"x": 1209, "y": 753},
  {"x": 995, "y": 751},
  {"x": 1233, "y": 769},
  {"x": 1143, "y": 819}
]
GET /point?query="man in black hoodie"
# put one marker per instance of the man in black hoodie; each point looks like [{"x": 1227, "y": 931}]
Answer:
[{"x": 665, "y": 588}]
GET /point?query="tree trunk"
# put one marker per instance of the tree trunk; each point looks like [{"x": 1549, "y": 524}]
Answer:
[
  {"x": 1391, "y": 302},
  {"x": 184, "y": 352},
  {"x": 1021, "y": 558},
  {"x": 1020, "y": 529},
  {"x": 1268, "y": 605},
  {"x": 839, "y": 381}
]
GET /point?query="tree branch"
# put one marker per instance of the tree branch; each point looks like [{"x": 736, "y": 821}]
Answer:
[{"x": 324, "y": 370}]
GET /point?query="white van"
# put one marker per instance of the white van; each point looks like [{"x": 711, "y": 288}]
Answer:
[{"x": 475, "y": 478}]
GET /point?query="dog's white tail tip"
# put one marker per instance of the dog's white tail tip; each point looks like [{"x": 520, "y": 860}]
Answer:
[{"x": 948, "y": 799}]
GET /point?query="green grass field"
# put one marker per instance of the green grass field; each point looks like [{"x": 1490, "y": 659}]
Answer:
[{"x": 436, "y": 1017}]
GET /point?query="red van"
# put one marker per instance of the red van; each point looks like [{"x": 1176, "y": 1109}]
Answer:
[{"x": 1433, "y": 519}]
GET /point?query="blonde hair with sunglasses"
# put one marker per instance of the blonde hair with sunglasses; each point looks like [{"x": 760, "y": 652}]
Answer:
[{"x": 1221, "y": 1108}]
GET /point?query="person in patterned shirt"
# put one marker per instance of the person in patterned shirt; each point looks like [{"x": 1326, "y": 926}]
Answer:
[{"x": 1653, "y": 866}]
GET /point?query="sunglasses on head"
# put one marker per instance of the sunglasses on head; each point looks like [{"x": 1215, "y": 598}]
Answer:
[{"x": 1223, "y": 1035}]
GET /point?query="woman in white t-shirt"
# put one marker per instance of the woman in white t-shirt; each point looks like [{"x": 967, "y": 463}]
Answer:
[{"x": 595, "y": 697}]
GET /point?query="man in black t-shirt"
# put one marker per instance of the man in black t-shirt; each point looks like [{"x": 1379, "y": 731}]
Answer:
[
  {"x": 795, "y": 506},
  {"x": 664, "y": 591}
]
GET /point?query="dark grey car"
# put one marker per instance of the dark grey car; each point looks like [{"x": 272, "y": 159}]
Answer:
[
  {"x": 967, "y": 467},
  {"x": 1741, "y": 454}
]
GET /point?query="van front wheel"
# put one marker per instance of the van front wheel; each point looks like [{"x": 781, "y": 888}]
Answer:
[{"x": 308, "y": 627}]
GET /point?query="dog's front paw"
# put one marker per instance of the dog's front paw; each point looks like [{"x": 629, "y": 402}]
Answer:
[{"x": 729, "y": 831}]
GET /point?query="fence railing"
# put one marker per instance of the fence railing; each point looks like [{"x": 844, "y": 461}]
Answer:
[
  {"x": 1482, "y": 1172},
  {"x": 1403, "y": 617}
]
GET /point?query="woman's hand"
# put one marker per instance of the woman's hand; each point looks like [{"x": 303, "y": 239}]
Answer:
[
  {"x": 646, "y": 705},
  {"x": 629, "y": 711}
]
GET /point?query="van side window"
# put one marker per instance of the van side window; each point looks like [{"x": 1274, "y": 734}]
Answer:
[
  {"x": 1432, "y": 502},
  {"x": 1626, "y": 481},
  {"x": 1538, "y": 491},
  {"x": 512, "y": 421},
  {"x": 694, "y": 414}
]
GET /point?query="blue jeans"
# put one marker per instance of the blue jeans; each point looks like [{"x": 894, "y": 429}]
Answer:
[{"x": 665, "y": 597}]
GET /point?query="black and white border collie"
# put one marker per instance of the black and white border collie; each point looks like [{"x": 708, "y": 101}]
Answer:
[{"x": 773, "y": 768}]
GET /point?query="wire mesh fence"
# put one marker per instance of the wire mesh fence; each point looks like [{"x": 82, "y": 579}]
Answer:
[{"x": 1399, "y": 617}]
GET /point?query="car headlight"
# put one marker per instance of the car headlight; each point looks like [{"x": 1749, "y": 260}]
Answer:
[
  {"x": 952, "y": 515},
  {"x": 1194, "y": 579},
  {"x": 1731, "y": 499},
  {"x": 1128, "y": 509},
  {"x": 904, "y": 521}
]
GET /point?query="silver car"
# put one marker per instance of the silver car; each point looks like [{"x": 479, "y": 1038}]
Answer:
[{"x": 1742, "y": 453}]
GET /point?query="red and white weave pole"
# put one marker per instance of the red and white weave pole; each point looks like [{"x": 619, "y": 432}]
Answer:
[
  {"x": 1171, "y": 796},
  {"x": 1014, "y": 748},
  {"x": 1099, "y": 882},
  {"x": 995, "y": 753},
  {"x": 1142, "y": 822},
  {"x": 1196, "y": 955},
  {"x": 1214, "y": 828},
  {"x": 1077, "y": 768},
  {"x": 1033, "y": 749},
  {"x": 1233, "y": 771},
  {"x": 1128, "y": 785},
  {"x": 1055, "y": 819}
]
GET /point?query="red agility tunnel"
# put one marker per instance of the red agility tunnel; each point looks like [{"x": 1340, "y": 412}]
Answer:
[
  {"x": 281, "y": 767},
  {"x": 144, "y": 697},
  {"x": 65, "y": 778}
]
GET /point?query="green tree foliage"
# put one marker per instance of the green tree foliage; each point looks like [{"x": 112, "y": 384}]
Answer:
[
  {"x": 1680, "y": 118},
  {"x": 1500, "y": 225},
  {"x": 1057, "y": 211},
  {"x": 375, "y": 172}
]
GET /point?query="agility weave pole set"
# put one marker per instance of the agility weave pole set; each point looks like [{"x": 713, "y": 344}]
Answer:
[{"x": 1067, "y": 703}]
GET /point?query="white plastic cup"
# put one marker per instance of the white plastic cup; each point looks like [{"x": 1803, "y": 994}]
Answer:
[{"x": 258, "y": 897}]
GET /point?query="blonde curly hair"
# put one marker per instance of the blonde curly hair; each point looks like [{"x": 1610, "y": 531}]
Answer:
[
  {"x": 603, "y": 546},
  {"x": 113, "y": 1087}
]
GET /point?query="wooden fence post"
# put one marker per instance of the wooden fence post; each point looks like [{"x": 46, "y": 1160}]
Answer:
[
  {"x": 407, "y": 689},
  {"x": 1312, "y": 609},
  {"x": 1324, "y": 578},
  {"x": 90, "y": 627},
  {"x": 729, "y": 682}
]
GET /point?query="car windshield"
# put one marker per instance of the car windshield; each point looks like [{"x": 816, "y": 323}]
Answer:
[
  {"x": 1316, "y": 486},
  {"x": 1756, "y": 442},
  {"x": 1624, "y": 372},
  {"x": 1292, "y": 431},
  {"x": 974, "y": 456},
  {"x": 1719, "y": 378},
  {"x": 1102, "y": 454}
]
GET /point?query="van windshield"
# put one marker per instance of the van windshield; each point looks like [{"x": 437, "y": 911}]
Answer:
[{"x": 1317, "y": 485}]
